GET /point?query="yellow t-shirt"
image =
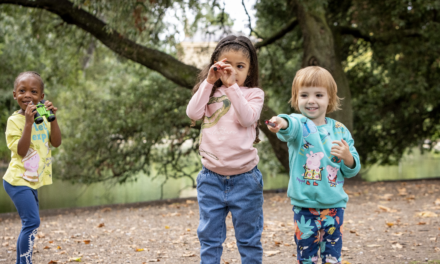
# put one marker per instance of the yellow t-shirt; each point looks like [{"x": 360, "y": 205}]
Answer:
[{"x": 35, "y": 169}]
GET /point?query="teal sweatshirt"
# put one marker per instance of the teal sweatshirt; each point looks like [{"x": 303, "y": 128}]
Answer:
[{"x": 316, "y": 176}]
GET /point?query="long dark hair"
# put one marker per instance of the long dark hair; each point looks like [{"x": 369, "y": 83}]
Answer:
[{"x": 234, "y": 43}]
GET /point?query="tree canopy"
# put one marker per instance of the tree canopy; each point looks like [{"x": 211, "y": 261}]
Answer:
[{"x": 112, "y": 67}]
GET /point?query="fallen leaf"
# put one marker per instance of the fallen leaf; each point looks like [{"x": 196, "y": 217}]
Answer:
[
  {"x": 53, "y": 262},
  {"x": 101, "y": 225},
  {"x": 397, "y": 246},
  {"x": 390, "y": 224},
  {"x": 139, "y": 249},
  {"x": 75, "y": 259},
  {"x": 437, "y": 249},
  {"x": 402, "y": 191},
  {"x": 87, "y": 241},
  {"x": 167, "y": 227},
  {"x": 427, "y": 214},
  {"x": 384, "y": 208},
  {"x": 437, "y": 202},
  {"x": 107, "y": 209},
  {"x": 189, "y": 202},
  {"x": 345, "y": 262},
  {"x": 271, "y": 253},
  {"x": 46, "y": 247},
  {"x": 374, "y": 245},
  {"x": 345, "y": 249},
  {"x": 189, "y": 254},
  {"x": 422, "y": 223}
]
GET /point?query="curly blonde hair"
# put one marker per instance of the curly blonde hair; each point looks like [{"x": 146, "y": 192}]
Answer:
[{"x": 315, "y": 76}]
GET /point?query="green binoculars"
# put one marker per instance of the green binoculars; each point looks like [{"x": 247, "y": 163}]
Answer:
[{"x": 41, "y": 111}]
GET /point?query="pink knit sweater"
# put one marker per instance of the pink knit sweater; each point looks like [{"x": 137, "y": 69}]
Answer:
[{"x": 228, "y": 129}]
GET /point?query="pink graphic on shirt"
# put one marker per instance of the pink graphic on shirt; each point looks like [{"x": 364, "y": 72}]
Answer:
[
  {"x": 312, "y": 167},
  {"x": 332, "y": 175},
  {"x": 31, "y": 163}
]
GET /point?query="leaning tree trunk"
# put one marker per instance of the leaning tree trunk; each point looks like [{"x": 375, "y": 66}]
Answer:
[{"x": 319, "y": 50}]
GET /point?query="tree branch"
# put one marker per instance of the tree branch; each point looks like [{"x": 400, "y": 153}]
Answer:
[
  {"x": 384, "y": 37},
  {"x": 249, "y": 19},
  {"x": 354, "y": 32},
  {"x": 283, "y": 31},
  {"x": 171, "y": 68}
]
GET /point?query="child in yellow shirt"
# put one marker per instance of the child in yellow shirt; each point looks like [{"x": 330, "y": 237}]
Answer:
[{"x": 31, "y": 160}]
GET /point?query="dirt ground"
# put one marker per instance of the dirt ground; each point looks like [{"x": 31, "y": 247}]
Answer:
[{"x": 391, "y": 222}]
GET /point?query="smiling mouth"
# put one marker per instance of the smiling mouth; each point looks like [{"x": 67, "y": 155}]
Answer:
[{"x": 312, "y": 108}]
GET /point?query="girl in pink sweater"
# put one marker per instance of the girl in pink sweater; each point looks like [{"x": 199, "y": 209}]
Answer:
[{"x": 229, "y": 102}]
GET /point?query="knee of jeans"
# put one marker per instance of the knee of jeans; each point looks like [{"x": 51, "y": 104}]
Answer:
[{"x": 33, "y": 222}]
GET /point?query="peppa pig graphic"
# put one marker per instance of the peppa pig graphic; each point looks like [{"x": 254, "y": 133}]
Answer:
[
  {"x": 332, "y": 175},
  {"x": 312, "y": 167},
  {"x": 31, "y": 162}
]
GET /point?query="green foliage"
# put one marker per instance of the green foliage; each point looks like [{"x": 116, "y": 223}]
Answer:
[
  {"x": 133, "y": 120},
  {"x": 119, "y": 118},
  {"x": 393, "y": 69}
]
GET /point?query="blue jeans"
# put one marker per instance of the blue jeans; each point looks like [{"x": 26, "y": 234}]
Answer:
[
  {"x": 318, "y": 229},
  {"x": 240, "y": 194},
  {"x": 26, "y": 201}
]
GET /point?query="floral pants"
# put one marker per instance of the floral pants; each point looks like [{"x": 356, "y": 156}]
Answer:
[{"x": 318, "y": 232}]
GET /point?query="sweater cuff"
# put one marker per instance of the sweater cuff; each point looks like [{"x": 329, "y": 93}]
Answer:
[
  {"x": 288, "y": 130},
  {"x": 206, "y": 85},
  {"x": 351, "y": 172}
]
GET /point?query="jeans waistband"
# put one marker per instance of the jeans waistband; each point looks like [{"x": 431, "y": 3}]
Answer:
[{"x": 206, "y": 170}]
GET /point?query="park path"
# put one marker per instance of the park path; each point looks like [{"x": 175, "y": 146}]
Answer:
[{"x": 391, "y": 222}]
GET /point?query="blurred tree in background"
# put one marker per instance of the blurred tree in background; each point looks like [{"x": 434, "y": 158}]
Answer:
[{"x": 111, "y": 68}]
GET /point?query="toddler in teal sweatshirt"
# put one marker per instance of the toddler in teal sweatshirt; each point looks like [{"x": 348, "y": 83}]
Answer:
[{"x": 321, "y": 156}]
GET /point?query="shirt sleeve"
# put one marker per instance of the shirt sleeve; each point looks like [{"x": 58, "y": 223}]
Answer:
[
  {"x": 197, "y": 105},
  {"x": 346, "y": 171},
  {"x": 247, "y": 110},
  {"x": 291, "y": 132},
  {"x": 13, "y": 135}
]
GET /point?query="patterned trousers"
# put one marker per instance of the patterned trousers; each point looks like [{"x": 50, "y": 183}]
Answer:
[{"x": 318, "y": 232}]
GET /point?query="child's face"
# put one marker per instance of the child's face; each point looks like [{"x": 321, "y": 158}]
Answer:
[
  {"x": 239, "y": 61},
  {"x": 28, "y": 89},
  {"x": 313, "y": 103}
]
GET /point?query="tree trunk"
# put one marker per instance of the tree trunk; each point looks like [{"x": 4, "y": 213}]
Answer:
[{"x": 319, "y": 50}]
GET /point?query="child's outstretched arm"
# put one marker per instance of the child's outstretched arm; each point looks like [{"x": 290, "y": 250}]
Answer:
[
  {"x": 55, "y": 132},
  {"x": 25, "y": 140},
  {"x": 197, "y": 105}
]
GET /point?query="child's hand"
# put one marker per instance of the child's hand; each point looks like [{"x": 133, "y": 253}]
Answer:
[
  {"x": 228, "y": 76},
  {"x": 342, "y": 151},
  {"x": 29, "y": 113},
  {"x": 213, "y": 75},
  {"x": 280, "y": 123},
  {"x": 49, "y": 106}
]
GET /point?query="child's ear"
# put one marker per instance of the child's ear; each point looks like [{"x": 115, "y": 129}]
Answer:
[
  {"x": 42, "y": 96},
  {"x": 15, "y": 97}
]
